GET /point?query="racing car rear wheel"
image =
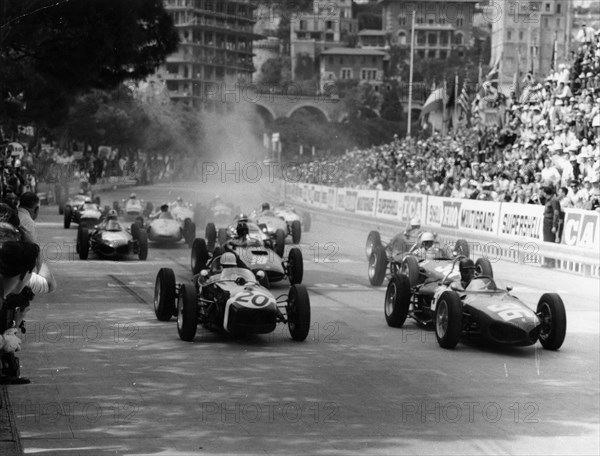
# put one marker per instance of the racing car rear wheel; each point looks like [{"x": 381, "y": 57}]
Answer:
[
  {"x": 306, "y": 221},
  {"x": 448, "y": 319},
  {"x": 551, "y": 311},
  {"x": 97, "y": 200},
  {"x": 135, "y": 230},
  {"x": 61, "y": 209},
  {"x": 210, "y": 234},
  {"x": 373, "y": 239},
  {"x": 295, "y": 266},
  {"x": 279, "y": 242},
  {"x": 410, "y": 268},
  {"x": 67, "y": 217},
  {"x": 83, "y": 243},
  {"x": 164, "y": 294},
  {"x": 462, "y": 248},
  {"x": 483, "y": 267},
  {"x": 187, "y": 313},
  {"x": 189, "y": 231},
  {"x": 296, "y": 231},
  {"x": 199, "y": 255},
  {"x": 377, "y": 266},
  {"x": 142, "y": 244},
  {"x": 397, "y": 301},
  {"x": 298, "y": 312}
]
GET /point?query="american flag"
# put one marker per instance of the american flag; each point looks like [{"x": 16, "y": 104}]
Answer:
[{"x": 463, "y": 99}]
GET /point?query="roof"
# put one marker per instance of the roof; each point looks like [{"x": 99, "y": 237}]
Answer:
[{"x": 353, "y": 51}]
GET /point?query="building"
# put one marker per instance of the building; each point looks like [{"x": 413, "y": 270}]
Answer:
[
  {"x": 524, "y": 37},
  {"x": 364, "y": 65},
  {"x": 329, "y": 24},
  {"x": 373, "y": 39},
  {"x": 441, "y": 27},
  {"x": 215, "y": 52}
]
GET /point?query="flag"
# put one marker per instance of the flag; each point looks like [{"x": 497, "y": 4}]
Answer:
[
  {"x": 553, "y": 66},
  {"x": 463, "y": 99},
  {"x": 475, "y": 114},
  {"x": 494, "y": 73},
  {"x": 516, "y": 88},
  {"x": 435, "y": 102}
]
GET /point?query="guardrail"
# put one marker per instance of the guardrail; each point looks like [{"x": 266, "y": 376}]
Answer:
[{"x": 494, "y": 245}]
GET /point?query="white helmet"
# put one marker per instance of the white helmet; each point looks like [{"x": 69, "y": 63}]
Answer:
[
  {"x": 228, "y": 259},
  {"x": 427, "y": 236},
  {"x": 415, "y": 222}
]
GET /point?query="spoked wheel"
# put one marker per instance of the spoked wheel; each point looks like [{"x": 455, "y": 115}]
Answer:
[
  {"x": 373, "y": 240},
  {"x": 295, "y": 266},
  {"x": 377, "y": 266},
  {"x": 410, "y": 268},
  {"x": 199, "y": 255},
  {"x": 551, "y": 311},
  {"x": 187, "y": 313},
  {"x": 164, "y": 294},
  {"x": 298, "y": 312},
  {"x": 397, "y": 301}
]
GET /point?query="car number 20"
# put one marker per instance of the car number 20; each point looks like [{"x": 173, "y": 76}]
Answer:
[
  {"x": 258, "y": 300},
  {"x": 508, "y": 311}
]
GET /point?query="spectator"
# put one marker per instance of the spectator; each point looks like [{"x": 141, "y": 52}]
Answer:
[
  {"x": 29, "y": 207},
  {"x": 551, "y": 220}
]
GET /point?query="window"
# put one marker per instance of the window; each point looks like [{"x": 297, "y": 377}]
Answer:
[
  {"x": 547, "y": 7},
  {"x": 432, "y": 39},
  {"x": 402, "y": 20},
  {"x": 546, "y": 22},
  {"x": 329, "y": 25},
  {"x": 302, "y": 25},
  {"x": 458, "y": 38},
  {"x": 460, "y": 21},
  {"x": 558, "y": 8},
  {"x": 520, "y": 35},
  {"x": 443, "y": 55},
  {"x": 401, "y": 38},
  {"x": 444, "y": 38},
  {"x": 421, "y": 37},
  {"x": 346, "y": 73},
  {"x": 421, "y": 54},
  {"x": 431, "y": 54}
]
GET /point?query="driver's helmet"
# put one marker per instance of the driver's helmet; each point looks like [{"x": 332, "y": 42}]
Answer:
[
  {"x": 180, "y": 200},
  {"x": 242, "y": 218},
  {"x": 228, "y": 260},
  {"x": 112, "y": 215},
  {"x": 266, "y": 207},
  {"x": 281, "y": 203},
  {"x": 427, "y": 239},
  {"x": 87, "y": 201},
  {"x": 132, "y": 196},
  {"x": 467, "y": 269},
  {"x": 164, "y": 207},
  {"x": 242, "y": 230},
  {"x": 415, "y": 223}
]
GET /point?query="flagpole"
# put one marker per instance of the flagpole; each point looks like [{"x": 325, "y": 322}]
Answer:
[
  {"x": 410, "y": 81},
  {"x": 529, "y": 59},
  {"x": 444, "y": 92},
  {"x": 455, "y": 115}
]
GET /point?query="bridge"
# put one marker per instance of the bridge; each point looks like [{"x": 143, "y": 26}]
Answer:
[{"x": 276, "y": 106}]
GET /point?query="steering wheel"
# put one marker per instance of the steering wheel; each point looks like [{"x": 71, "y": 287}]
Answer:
[
  {"x": 240, "y": 281},
  {"x": 457, "y": 259}
]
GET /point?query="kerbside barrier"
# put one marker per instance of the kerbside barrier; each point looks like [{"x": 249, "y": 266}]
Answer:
[{"x": 507, "y": 231}]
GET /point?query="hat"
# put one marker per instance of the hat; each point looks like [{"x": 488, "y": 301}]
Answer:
[
  {"x": 587, "y": 179},
  {"x": 574, "y": 182},
  {"x": 558, "y": 102}
]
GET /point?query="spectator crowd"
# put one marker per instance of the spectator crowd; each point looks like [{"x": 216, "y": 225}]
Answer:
[{"x": 548, "y": 140}]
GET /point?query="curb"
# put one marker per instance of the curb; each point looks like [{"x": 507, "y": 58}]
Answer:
[{"x": 10, "y": 441}]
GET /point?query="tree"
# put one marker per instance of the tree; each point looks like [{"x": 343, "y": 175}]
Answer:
[
  {"x": 391, "y": 108},
  {"x": 271, "y": 71},
  {"x": 362, "y": 101},
  {"x": 52, "y": 51}
]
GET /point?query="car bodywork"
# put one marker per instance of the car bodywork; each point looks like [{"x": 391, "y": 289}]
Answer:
[
  {"x": 110, "y": 240},
  {"x": 76, "y": 210}
]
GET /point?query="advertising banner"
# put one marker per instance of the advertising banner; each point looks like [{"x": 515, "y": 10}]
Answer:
[
  {"x": 365, "y": 202},
  {"x": 581, "y": 229},
  {"x": 442, "y": 212},
  {"x": 479, "y": 216},
  {"x": 521, "y": 220},
  {"x": 388, "y": 205},
  {"x": 412, "y": 205}
]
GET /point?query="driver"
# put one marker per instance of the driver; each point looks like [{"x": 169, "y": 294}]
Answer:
[
  {"x": 228, "y": 260},
  {"x": 110, "y": 223},
  {"x": 266, "y": 207},
  {"x": 466, "y": 268},
  {"x": 413, "y": 228},
  {"x": 132, "y": 196},
  {"x": 241, "y": 238},
  {"x": 178, "y": 202},
  {"x": 422, "y": 246},
  {"x": 162, "y": 213}
]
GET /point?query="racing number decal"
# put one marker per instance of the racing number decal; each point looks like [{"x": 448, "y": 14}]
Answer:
[
  {"x": 259, "y": 259},
  {"x": 257, "y": 299},
  {"x": 508, "y": 311}
]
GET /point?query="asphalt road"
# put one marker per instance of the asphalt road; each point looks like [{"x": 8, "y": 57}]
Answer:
[{"x": 108, "y": 378}]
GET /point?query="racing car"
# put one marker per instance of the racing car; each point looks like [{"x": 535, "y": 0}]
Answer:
[
  {"x": 481, "y": 309},
  {"x": 273, "y": 225},
  {"x": 133, "y": 209},
  {"x": 111, "y": 240},
  {"x": 394, "y": 258},
  {"x": 170, "y": 226},
  {"x": 217, "y": 215},
  {"x": 81, "y": 210},
  {"x": 76, "y": 200},
  {"x": 297, "y": 221},
  {"x": 253, "y": 254},
  {"x": 229, "y": 299}
]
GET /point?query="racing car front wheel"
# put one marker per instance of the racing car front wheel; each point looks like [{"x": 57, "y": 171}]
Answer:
[
  {"x": 298, "y": 312},
  {"x": 551, "y": 311},
  {"x": 373, "y": 240},
  {"x": 279, "y": 242},
  {"x": 222, "y": 236},
  {"x": 397, "y": 301},
  {"x": 164, "y": 294},
  {"x": 199, "y": 255},
  {"x": 142, "y": 244},
  {"x": 187, "y": 316},
  {"x": 67, "y": 217},
  {"x": 210, "y": 234},
  {"x": 483, "y": 267},
  {"x": 410, "y": 268},
  {"x": 189, "y": 231},
  {"x": 295, "y": 266},
  {"x": 377, "y": 266},
  {"x": 83, "y": 243},
  {"x": 448, "y": 319}
]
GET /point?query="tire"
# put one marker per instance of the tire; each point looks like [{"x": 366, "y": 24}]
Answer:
[
  {"x": 462, "y": 248},
  {"x": 410, "y": 268},
  {"x": 68, "y": 213},
  {"x": 306, "y": 221},
  {"x": 210, "y": 234},
  {"x": 483, "y": 267},
  {"x": 377, "y": 266},
  {"x": 295, "y": 266},
  {"x": 61, "y": 209},
  {"x": 279, "y": 242},
  {"x": 199, "y": 256},
  {"x": 298, "y": 312},
  {"x": 187, "y": 313},
  {"x": 189, "y": 232},
  {"x": 97, "y": 200},
  {"x": 397, "y": 301},
  {"x": 164, "y": 294},
  {"x": 83, "y": 243},
  {"x": 117, "y": 207},
  {"x": 296, "y": 231},
  {"x": 448, "y": 319},
  {"x": 142, "y": 244},
  {"x": 222, "y": 236},
  {"x": 373, "y": 240},
  {"x": 135, "y": 230},
  {"x": 551, "y": 310}
]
